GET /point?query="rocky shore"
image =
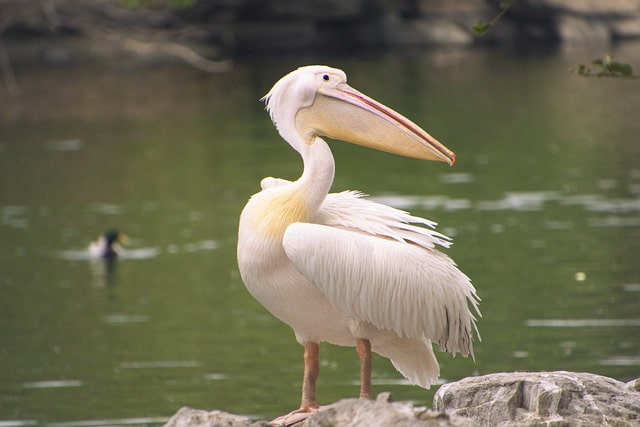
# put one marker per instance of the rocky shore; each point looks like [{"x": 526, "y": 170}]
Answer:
[
  {"x": 250, "y": 26},
  {"x": 523, "y": 399}
]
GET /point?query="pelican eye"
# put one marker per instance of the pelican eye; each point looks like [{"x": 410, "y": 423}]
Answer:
[{"x": 325, "y": 77}]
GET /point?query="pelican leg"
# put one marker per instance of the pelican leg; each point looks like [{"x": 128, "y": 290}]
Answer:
[
  {"x": 308, "y": 403},
  {"x": 311, "y": 372},
  {"x": 363, "y": 349}
]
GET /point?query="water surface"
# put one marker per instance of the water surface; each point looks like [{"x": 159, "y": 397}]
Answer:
[{"x": 543, "y": 206}]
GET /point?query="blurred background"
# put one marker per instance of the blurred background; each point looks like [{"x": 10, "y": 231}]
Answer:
[{"x": 144, "y": 116}]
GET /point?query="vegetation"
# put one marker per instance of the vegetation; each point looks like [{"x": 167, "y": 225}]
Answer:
[
  {"x": 482, "y": 27},
  {"x": 606, "y": 67}
]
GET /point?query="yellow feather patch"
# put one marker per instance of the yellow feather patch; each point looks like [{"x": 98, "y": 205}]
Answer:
[{"x": 276, "y": 209}]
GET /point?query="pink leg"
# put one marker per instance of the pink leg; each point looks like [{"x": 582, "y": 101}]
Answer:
[
  {"x": 311, "y": 372},
  {"x": 363, "y": 349},
  {"x": 308, "y": 403}
]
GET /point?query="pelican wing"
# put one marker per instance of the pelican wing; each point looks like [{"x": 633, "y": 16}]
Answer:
[
  {"x": 352, "y": 211},
  {"x": 391, "y": 284}
]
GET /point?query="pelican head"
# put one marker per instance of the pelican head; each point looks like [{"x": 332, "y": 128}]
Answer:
[{"x": 315, "y": 101}]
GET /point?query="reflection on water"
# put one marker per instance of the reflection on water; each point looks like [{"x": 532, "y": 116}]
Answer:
[
  {"x": 544, "y": 204},
  {"x": 53, "y": 384},
  {"x": 121, "y": 318},
  {"x": 13, "y": 216},
  {"x": 142, "y": 253},
  {"x": 83, "y": 255},
  {"x": 621, "y": 361},
  {"x": 632, "y": 287},
  {"x": 160, "y": 364},
  {"x": 582, "y": 323},
  {"x": 65, "y": 145},
  {"x": 18, "y": 423},
  {"x": 518, "y": 201}
]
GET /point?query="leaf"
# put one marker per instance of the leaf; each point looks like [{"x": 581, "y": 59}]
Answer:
[
  {"x": 607, "y": 68},
  {"x": 624, "y": 69},
  {"x": 584, "y": 70},
  {"x": 481, "y": 28}
]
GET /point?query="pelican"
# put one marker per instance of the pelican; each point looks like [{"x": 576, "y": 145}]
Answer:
[{"x": 340, "y": 268}]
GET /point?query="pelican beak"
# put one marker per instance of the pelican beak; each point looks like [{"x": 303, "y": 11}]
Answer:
[{"x": 344, "y": 113}]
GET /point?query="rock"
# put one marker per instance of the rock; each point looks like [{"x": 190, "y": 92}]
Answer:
[
  {"x": 541, "y": 398},
  {"x": 623, "y": 29},
  {"x": 265, "y": 36},
  {"x": 523, "y": 399},
  {"x": 426, "y": 32},
  {"x": 347, "y": 412},
  {"x": 572, "y": 30},
  {"x": 188, "y": 417},
  {"x": 593, "y": 8},
  {"x": 321, "y": 10},
  {"x": 634, "y": 385},
  {"x": 382, "y": 412},
  {"x": 247, "y": 26}
]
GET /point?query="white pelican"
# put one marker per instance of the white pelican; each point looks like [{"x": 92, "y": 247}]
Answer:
[
  {"x": 108, "y": 244},
  {"x": 338, "y": 267}
]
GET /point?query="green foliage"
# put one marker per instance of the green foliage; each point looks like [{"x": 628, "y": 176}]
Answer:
[
  {"x": 176, "y": 4},
  {"x": 482, "y": 27},
  {"x": 606, "y": 67}
]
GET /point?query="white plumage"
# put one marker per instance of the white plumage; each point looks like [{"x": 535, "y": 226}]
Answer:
[{"x": 339, "y": 267}]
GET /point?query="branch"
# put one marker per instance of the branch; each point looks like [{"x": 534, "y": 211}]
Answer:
[
  {"x": 481, "y": 27},
  {"x": 7, "y": 72},
  {"x": 179, "y": 51}
]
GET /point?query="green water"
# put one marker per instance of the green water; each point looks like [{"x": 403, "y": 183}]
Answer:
[{"x": 544, "y": 206}]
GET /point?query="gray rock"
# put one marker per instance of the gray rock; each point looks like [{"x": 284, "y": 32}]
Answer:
[
  {"x": 541, "y": 398},
  {"x": 321, "y": 10},
  {"x": 623, "y": 29},
  {"x": 593, "y": 8},
  {"x": 345, "y": 413},
  {"x": 246, "y": 26},
  {"x": 523, "y": 399},
  {"x": 188, "y": 417},
  {"x": 634, "y": 385},
  {"x": 382, "y": 412},
  {"x": 572, "y": 30}
]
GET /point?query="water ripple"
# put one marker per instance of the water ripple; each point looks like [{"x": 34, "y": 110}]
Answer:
[
  {"x": 18, "y": 423},
  {"x": 520, "y": 201},
  {"x": 64, "y": 145},
  {"x": 456, "y": 178},
  {"x": 613, "y": 221},
  {"x": 120, "y": 318},
  {"x": 105, "y": 208},
  {"x": 396, "y": 381},
  {"x": 53, "y": 384},
  {"x": 83, "y": 254},
  {"x": 13, "y": 216},
  {"x": 523, "y": 201},
  {"x": 581, "y": 323},
  {"x": 424, "y": 202},
  {"x": 155, "y": 364},
  {"x": 621, "y": 361}
]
